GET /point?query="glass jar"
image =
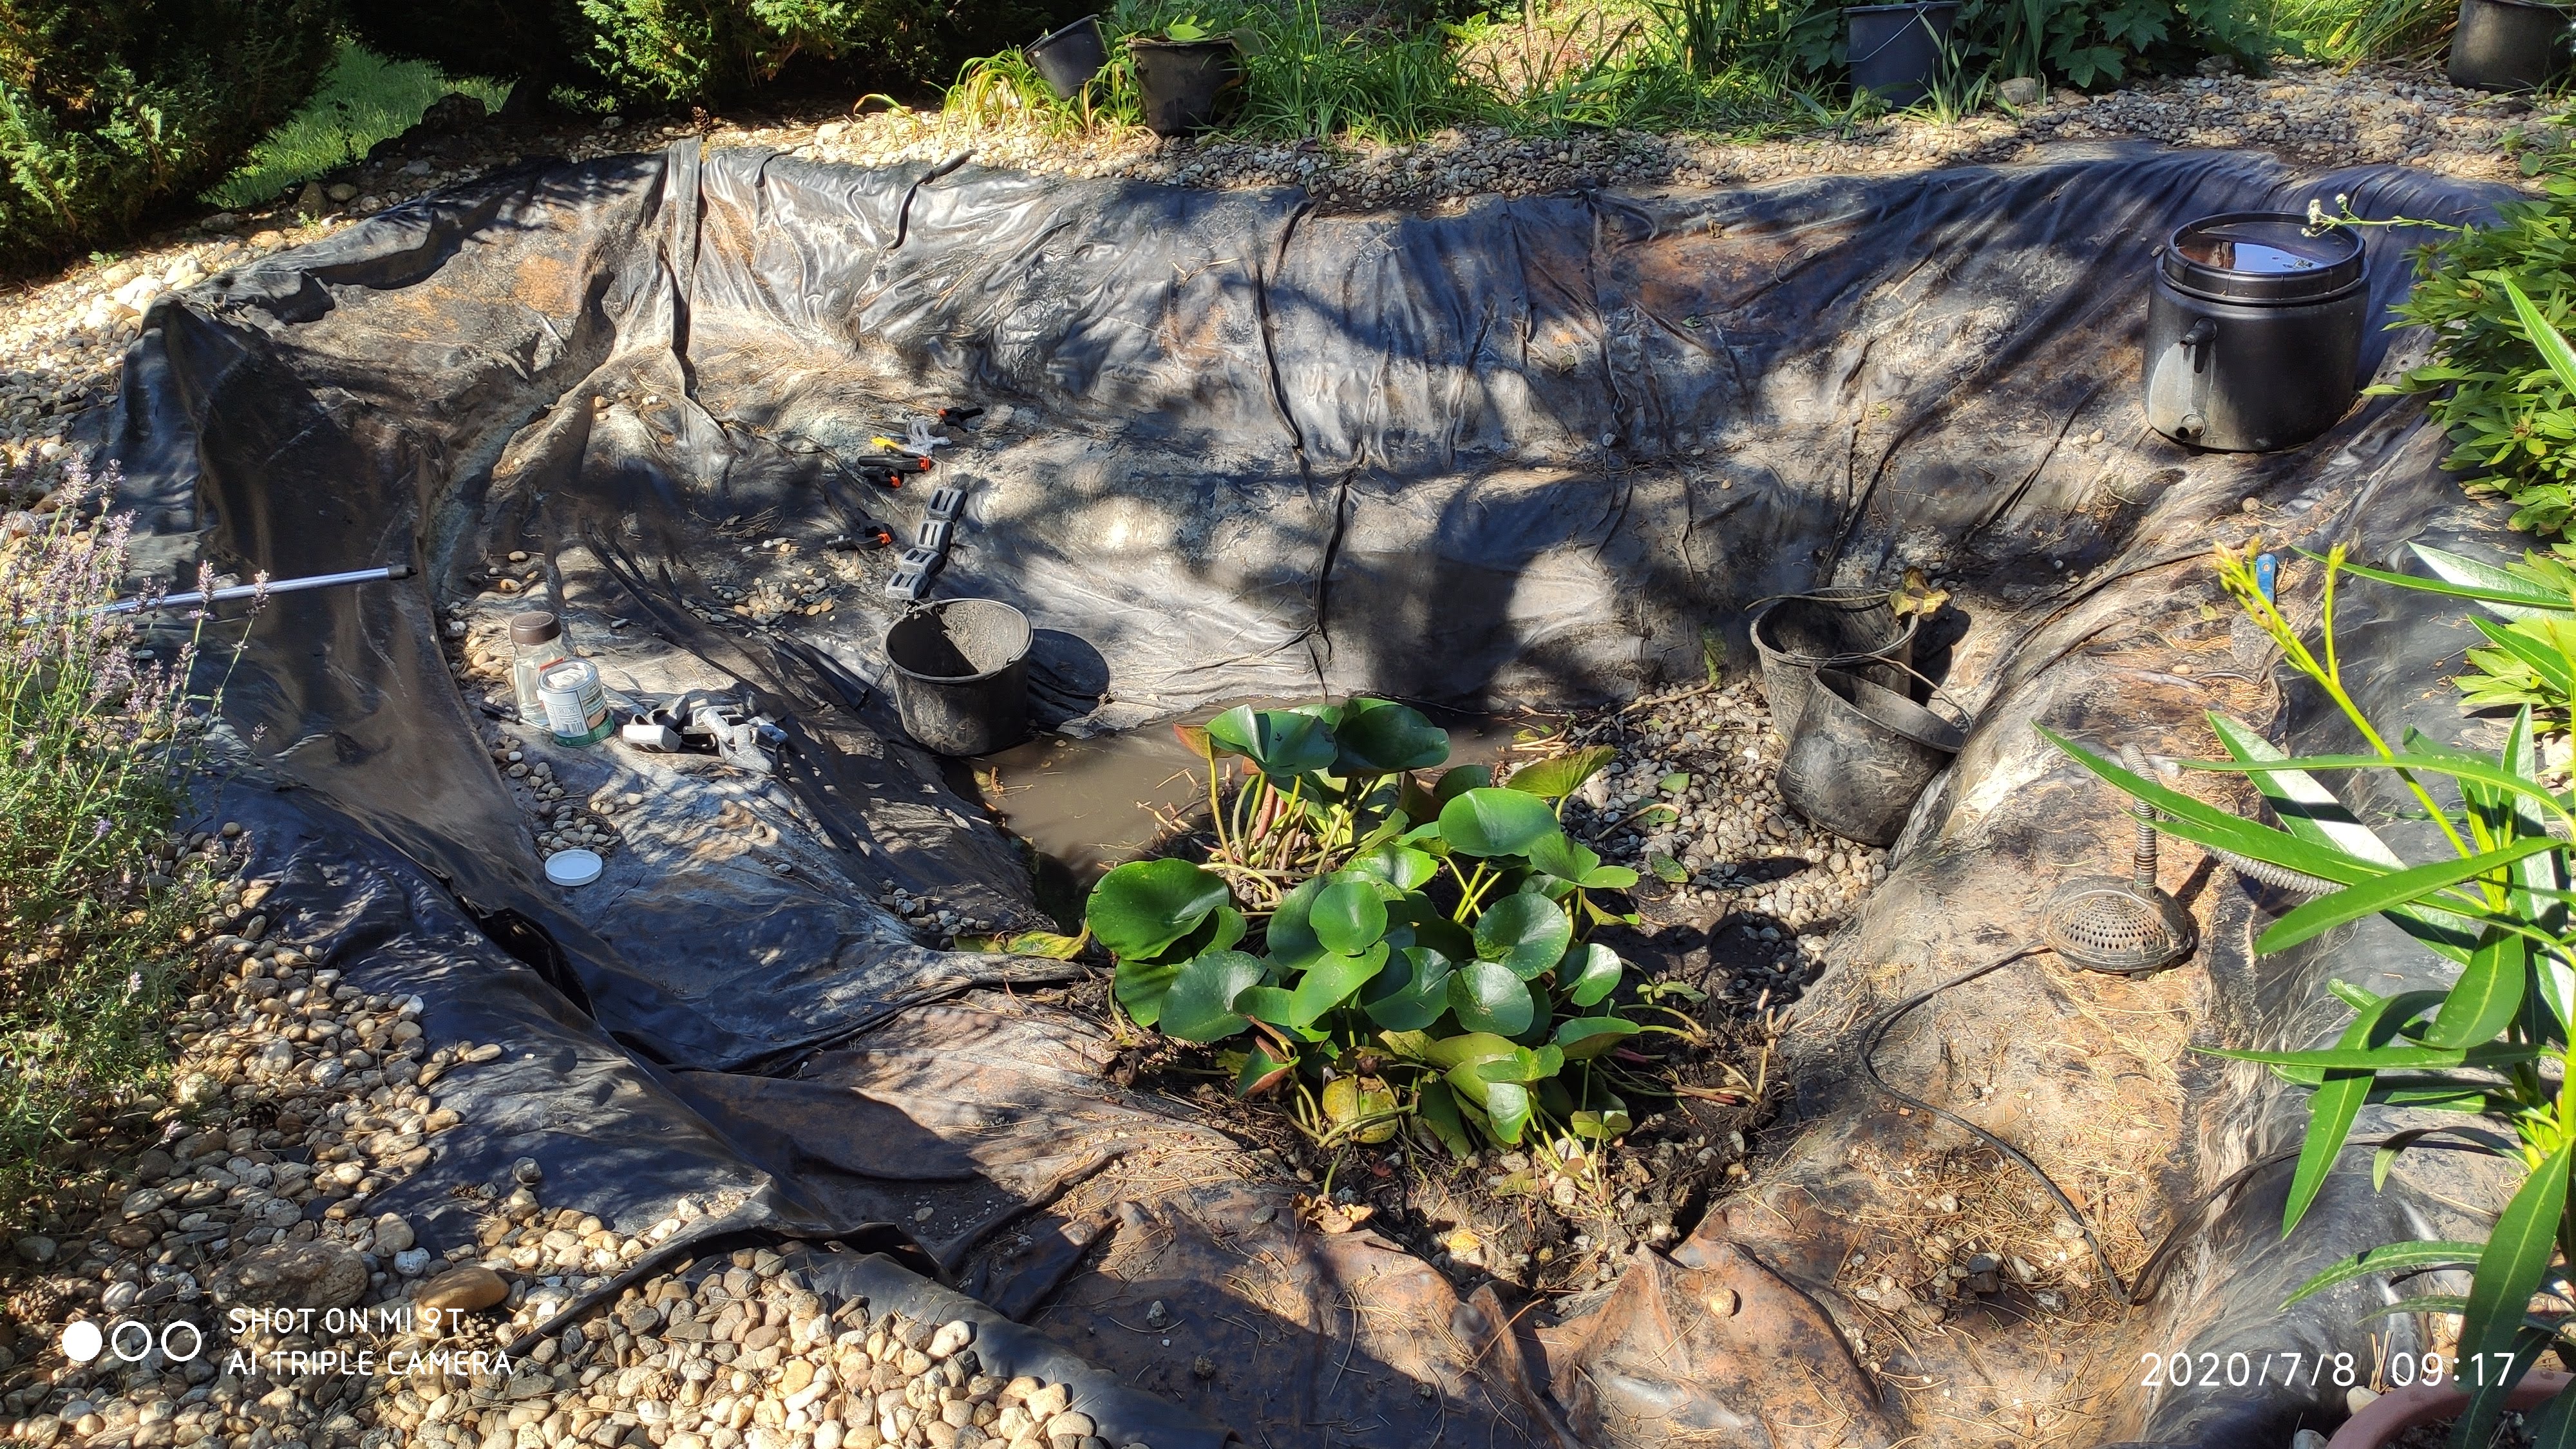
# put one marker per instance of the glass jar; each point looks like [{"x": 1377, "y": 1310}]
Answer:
[{"x": 536, "y": 645}]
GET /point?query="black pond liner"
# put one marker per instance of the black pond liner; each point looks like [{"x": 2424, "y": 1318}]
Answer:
[{"x": 1539, "y": 450}]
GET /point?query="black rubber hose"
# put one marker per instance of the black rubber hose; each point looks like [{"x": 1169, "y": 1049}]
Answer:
[
  {"x": 2150, "y": 1277},
  {"x": 1878, "y": 1029}
]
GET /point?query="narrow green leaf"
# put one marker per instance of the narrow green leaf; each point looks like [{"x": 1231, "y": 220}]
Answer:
[
  {"x": 2516, "y": 1255},
  {"x": 2487, "y": 994},
  {"x": 2394, "y": 1258},
  {"x": 2404, "y": 887},
  {"x": 2549, "y": 340},
  {"x": 2338, "y": 1098},
  {"x": 2466, "y": 578}
]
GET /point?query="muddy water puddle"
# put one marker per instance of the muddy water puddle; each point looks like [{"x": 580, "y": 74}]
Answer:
[{"x": 1087, "y": 805}]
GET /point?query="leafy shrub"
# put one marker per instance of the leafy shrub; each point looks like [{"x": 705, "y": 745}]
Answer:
[
  {"x": 2490, "y": 1053},
  {"x": 363, "y": 100},
  {"x": 99, "y": 748},
  {"x": 110, "y": 108},
  {"x": 2072, "y": 41},
  {"x": 1421, "y": 951},
  {"x": 696, "y": 50},
  {"x": 2510, "y": 414}
]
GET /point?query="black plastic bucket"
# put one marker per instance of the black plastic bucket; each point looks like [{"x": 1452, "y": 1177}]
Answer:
[
  {"x": 1181, "y": 81},
  {"x": 1853, "y": 630},
  {"x": 1861, "y": 755},
  {"x": 1070, "y": 57},
  {"x": 2254, "y": 326},
  {"x": 1896, "y": 49},
  {"x": 2510, "y": 45},
  {"x": 961, "y": 675}
]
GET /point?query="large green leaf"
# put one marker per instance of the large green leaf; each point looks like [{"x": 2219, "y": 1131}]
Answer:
[
  {"x": 1279, "y": 742},
  {"x": 2338, "y": 1098},
  {"x": 2517, "y": 1254},
  {"x": 1412, "y": 992},
  {"x": 1490, "y": 822},
  {"x": 1562, "y": 858},
  {"x": 1507, "y": 1108},
  {"x": 1330, "y": 982},
  {"x": 2394, "y": 1258},
  {"x": 1400, "y": 866},
  {"x": 1586, "y": 1037},
  {"x": 1200, "y": 1005},
  {"x": 2410, "y": 886},
  {"x": 1589, "y": 973},
  {"x": 1146, "y": 905},
  {"x": 1562, "y": 775},
  {"x": 1457, "y": 780},
  {"x": 1290, "y": 940},
  {"x": 1381, "y": 737},
  {"x": 1469, "y": 1049},
  {"x": 1348, "y": 918},
  {"x": 1488, "y": 998},
  {"x": 1140, "y": 987},
  {"x": 1526, "y": 932}
]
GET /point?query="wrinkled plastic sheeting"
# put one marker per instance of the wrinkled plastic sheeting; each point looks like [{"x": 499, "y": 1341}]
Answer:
[{"x": 1526, "y": 450}]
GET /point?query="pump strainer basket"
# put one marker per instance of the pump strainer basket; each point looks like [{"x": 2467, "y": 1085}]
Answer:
[{"x": 2125, "y": 927}]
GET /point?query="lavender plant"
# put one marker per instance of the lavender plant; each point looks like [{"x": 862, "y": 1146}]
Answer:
[{"x": 100, "y": 737}]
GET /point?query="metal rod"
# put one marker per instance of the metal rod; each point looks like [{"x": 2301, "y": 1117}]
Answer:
[{"x": 244, "y": 591}]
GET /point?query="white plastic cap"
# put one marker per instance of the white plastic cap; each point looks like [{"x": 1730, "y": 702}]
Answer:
[{"x": 574, "y": 867}]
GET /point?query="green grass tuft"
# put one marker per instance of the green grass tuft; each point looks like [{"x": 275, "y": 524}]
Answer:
[{"x": 363, "y": 100}]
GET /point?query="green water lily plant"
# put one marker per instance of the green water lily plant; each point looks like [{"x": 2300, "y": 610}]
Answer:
[
  {"x": 1384, "y": 946},
  {"x": 2489, "y": 1054}
]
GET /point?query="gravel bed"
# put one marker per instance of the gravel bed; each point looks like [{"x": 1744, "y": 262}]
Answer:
[
  {"x": 295, "y": 1100},
  {"x": 1694, "y": 794}
]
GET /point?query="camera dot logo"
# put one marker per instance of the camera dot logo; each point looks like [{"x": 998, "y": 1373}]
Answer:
[{"x": 82, "y": 1340}]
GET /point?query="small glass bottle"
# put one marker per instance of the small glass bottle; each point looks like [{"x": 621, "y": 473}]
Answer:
[{"x": 536, "y": 645}]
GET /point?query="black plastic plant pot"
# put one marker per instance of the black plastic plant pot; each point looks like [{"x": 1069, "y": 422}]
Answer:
[
  {"x": 1896, "y": 49},
  {"x": 1181, "y": 81},
  {"x": 2511, "y": 45},
  {"x": 1860, "y": 756},
  {"x": 2254, "y": 326},
  {"x": 1070, "y": 57},
  {"x": 961, "y": 675}
]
